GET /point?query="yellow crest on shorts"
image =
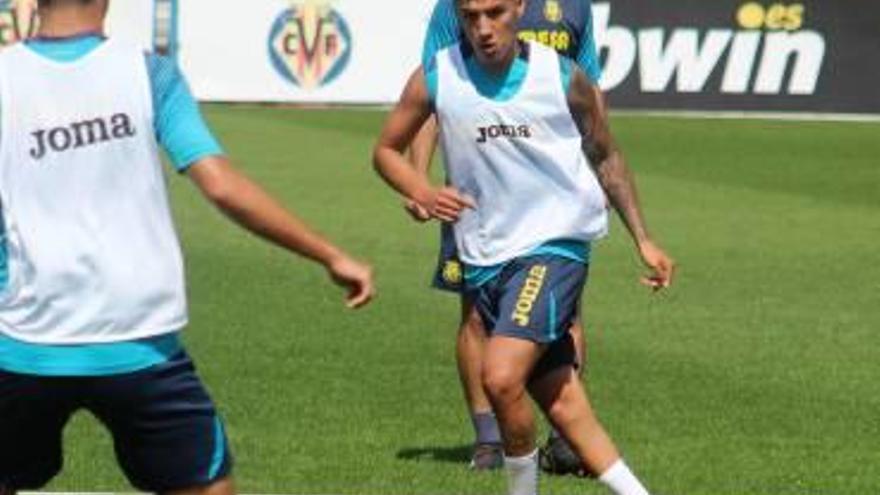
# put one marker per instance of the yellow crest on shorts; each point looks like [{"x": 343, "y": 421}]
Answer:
[
  {"x": 452, "y": 272},
  {"x": 552, "y": 11}
]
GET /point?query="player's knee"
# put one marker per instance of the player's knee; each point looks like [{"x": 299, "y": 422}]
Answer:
[
  {"x": 502, "y": 384},
  {"x": 560, "y": 412}
]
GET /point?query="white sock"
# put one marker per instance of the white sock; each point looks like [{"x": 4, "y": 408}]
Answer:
[
  {"x": 622, "y": 481},
  {"x": 522, "y": 474}
]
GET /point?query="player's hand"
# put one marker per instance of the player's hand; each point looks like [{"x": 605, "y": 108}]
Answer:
[
  {"x": 660, "y": 264},
  {"x": 416, "y": 211},
  {"x": 447, "y": 203},
  {"x": 356, "y": 277}
]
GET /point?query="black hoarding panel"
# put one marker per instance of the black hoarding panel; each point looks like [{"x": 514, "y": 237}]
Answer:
[{"x": 816, "y": 56}]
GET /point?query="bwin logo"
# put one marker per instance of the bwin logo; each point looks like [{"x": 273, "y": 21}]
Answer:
[
  {"x": 80, "y": 134},
  {"x": 502, "y": 130},
  {"x": 783, "y": 44}
]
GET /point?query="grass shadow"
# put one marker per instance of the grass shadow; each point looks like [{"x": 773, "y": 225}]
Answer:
[{"x": 457, "y": 454}]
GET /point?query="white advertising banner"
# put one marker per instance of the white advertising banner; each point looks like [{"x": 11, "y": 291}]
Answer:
[{"x": 347, "y": 51}]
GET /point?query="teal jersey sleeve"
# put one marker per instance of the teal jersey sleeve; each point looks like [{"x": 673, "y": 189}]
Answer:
[
  {"x": 443, "y": 30},
  {"x": 565, "y": 65},
  {"x": 430, "y": 70},
  {"x": 588, "y": 57},
  {"x": 178, "y": 123}
]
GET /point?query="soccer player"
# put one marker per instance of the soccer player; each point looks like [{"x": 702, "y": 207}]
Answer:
[
  {"x": 567, "y": 27},
  {"x": 93, "y": 297},
  {"x": 530, "y": 160}
]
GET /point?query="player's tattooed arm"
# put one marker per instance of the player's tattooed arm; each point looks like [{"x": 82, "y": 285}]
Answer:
[
  {"x": 614, "y": 176},
  {"x": 405, "y": 120},
  {"x": 604, "y": 155}
]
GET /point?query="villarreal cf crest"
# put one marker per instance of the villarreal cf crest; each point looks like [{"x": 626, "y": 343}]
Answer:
[
  {"x": 552, "y": 10},
  {"x": 310, "y": 43},
  {"x": 452, "y": 272},
  {"x": 18, "y": 20}
]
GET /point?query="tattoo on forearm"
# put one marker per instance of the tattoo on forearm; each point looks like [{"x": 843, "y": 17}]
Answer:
[
  {"x": 618, "y": 183},
  {"x": 593, "y": 151}
]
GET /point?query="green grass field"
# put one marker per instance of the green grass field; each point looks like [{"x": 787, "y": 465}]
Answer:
[{"x": 757, "y": 374}]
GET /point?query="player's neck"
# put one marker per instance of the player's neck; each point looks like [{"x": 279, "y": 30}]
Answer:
[{"x": 67, "y": 22}]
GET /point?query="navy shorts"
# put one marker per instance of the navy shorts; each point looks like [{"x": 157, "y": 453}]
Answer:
[
  {"x": 166, "y": 432},
  {"x": 535, "y": 298},
  {"x": 449, "y": 273}
]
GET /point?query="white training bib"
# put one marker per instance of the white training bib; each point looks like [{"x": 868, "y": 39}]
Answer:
[
  {"x": 92, "y": 252},
  {"x": 520, "y": 159}
]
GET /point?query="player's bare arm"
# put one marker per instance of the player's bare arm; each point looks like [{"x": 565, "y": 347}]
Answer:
[
  {"x": 250, "y": 206},
  {"x": 405, "y": 120},
  {"x": 423, "y": 146},
  {"x": 421, "y": 152},
  {"x": 615, "y": 177}
]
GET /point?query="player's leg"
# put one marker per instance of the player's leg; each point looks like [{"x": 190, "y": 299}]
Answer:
[
  {"x": 556, "y": 455},
  {"x": 562, "y": 397},
  {"x": 34, "y": 411},
  {"x": 556, "y": 387},
  {"x": 521, "y": 307},
  {"x": 166, "y": 431},
  {"x": 509, "y": 361},
  {"x": 508, "y": 364},
  {"x": 470, "y": 348},
  {"x": 563, "y": 400}
]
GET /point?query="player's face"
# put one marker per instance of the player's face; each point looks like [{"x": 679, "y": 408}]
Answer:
[{"x": 490, "y": 27}]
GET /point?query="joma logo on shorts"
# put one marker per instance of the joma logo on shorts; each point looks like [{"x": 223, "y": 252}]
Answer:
[
  {"x": 528, "y": 295},
  {"x": 502, "y": 130},
  {"x": 80, "y": 134}
]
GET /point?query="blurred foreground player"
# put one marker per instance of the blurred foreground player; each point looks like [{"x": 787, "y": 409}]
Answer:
[{"x": 93, "y": 295}]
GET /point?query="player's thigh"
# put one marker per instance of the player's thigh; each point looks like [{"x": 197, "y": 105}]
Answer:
[
  {"x": 166, "y": 430},
  {"x": 33, "y": 412},
  {"x": 471, "y": 318},
  {"x": 509, "y": 360},
  {"x": 539, "y": 302},
  {"x": 538, "y": 298}
]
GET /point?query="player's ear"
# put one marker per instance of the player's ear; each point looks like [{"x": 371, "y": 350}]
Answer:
[{"x": 520, "y": 7}]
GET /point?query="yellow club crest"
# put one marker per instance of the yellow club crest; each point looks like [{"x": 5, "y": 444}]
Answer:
[
  {"x": 552, "y": 11},
  {"x": 452, "y": 272},
  {"x": 310, "y": 43}
]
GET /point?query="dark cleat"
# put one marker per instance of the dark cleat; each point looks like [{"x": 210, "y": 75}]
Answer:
[
  {"x": 487, "y": 456},
  {"x": 556, "y": 457}
]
